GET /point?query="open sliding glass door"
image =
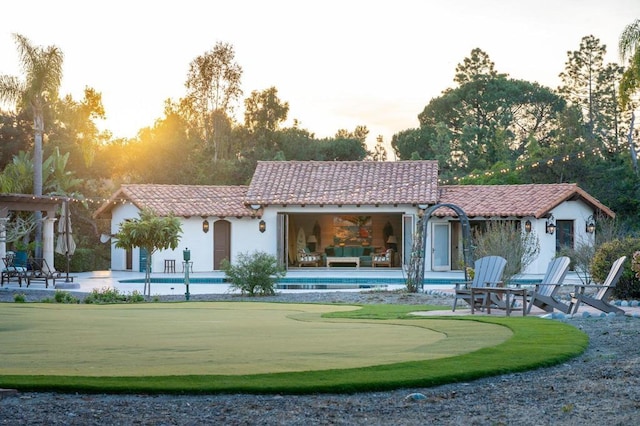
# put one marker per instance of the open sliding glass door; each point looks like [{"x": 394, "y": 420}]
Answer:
[
  {"x": 408, "y": 230},
  {"x": 441, "y": 247},
  {"x": 283, "y": 226}
]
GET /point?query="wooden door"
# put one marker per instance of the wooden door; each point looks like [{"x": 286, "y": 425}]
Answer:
[{"x": 221, "y": 242}]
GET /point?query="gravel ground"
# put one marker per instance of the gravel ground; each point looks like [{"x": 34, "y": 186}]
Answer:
[{"x": 600, "y": 387}]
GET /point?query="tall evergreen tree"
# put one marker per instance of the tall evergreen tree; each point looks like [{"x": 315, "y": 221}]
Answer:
[{"x": 590, "y": 84}]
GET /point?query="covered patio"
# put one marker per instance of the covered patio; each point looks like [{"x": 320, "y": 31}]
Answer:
[{"x": 30, "y": 203}]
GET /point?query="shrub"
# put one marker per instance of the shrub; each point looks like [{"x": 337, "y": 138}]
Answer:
[
  {"x": 628, "y": 286},
  {"x": 254, "y": 274},
  {"x": 19, "y": 298},
  {"x": 64, "y": 297},
  {"x": 505, "y": 239},
  {"x": 581, "y": 257},
  {"x": 112, "y": 295}
]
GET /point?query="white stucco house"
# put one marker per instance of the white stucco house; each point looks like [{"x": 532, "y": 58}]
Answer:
[{"x": 349, "y": 210}]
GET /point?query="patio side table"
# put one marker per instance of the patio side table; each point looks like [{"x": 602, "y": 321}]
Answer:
[{"x": 508, "y": 293}]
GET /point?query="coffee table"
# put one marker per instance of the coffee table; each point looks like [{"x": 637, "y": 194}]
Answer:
[{"x": 331, "y": 260}]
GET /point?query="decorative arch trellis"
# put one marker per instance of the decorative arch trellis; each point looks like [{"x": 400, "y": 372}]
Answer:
[{"x": 415, "y": 275}]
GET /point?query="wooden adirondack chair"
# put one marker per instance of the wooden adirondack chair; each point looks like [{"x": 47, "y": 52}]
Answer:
[
  {"x": 600, "y": 300},
  {"x": 544, "y": 294},
  {"x": 487, "y": 272}
]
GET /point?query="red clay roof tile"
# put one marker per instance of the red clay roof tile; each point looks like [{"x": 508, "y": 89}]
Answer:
[
  {"x": 534, "y": 200},
  {"x": 350, "y": 183},
  {"x": 344, "y": 182},
  {"x": 183, "y": 200}
]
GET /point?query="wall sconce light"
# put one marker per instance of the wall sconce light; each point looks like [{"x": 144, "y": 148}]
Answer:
[
  {"x": 262, "y": 226},
  {"x": 205, "y": 226},
  {"x": 422, "y": 208},
  {"x": 591, "y": 225},
  {"x": 551, "y": 225},
  {"x": 527, "y": 226}
]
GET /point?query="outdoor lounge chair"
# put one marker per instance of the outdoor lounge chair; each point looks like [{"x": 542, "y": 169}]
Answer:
[
  {"x": 309, "y": 259},
  {"x": 487, "y": 273},
  {"x": 382, "y": 259},
  {"x": 544, "y": 294},
  {"x": 11, "y": 270},
  {"x": 40, "y": 271},
  {"x": 600, "y": 300}
]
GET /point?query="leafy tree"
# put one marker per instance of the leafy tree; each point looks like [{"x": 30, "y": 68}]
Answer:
[
  {"x": 15, "y": 136},
  {"x": 264, "y": 110},
  {"x": 75, "y": 130},
  {"x": 151, "y": 233},
  {"x": 297, "y": 144},
  {"x": 342, "y": 150},
  {"x": 213, "y": 85},
  {"x": 482, "y": 122},
  {"x": 115, "y": 160},
  {"x": 169, "y": 144},
  {"x": 425, "y": 143},
  {"x": 43, "y": 74},
  {"x": 360, "y": 133}
]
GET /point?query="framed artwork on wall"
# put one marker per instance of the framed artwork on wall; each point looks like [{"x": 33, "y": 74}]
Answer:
[{"x": 352, "y": 230}]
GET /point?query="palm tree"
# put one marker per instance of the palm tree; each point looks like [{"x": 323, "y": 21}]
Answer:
[
  {"x": 629, "y": 47},
  {"x": 42, "y": 68}
]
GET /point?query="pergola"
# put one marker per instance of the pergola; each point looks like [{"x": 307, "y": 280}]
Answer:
[{"x": 30, "y": 203}]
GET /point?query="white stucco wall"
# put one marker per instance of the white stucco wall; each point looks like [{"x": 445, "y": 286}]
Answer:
[
  {"x": 245, "y": 236},
  {"x": 576, "y": 211},
  {"x": 118, "y": 256}
]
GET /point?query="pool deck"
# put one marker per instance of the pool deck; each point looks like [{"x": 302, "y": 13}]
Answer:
[
  {"x": 296, "y": 280},
  {"x": 307, "y": 279}
]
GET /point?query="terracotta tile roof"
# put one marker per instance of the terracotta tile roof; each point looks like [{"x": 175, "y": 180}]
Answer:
[
  {"x": 534, "y": 200},
  {"x": 182, "y": 200},
  {"x": 344, "y": 182}
]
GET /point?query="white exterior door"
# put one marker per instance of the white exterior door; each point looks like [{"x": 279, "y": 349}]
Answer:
[{"x": 441, "y": 247}]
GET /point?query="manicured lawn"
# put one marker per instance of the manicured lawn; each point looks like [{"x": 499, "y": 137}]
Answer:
[{"x": 263, "y": 347}]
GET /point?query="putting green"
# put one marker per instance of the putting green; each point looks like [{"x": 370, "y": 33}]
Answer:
[{"x": 219, "y": 338}]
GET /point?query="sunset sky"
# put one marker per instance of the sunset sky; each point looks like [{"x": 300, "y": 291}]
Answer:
[{"x": 339, "y": 64}]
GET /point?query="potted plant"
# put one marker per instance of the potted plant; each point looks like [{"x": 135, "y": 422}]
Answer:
[{"x": 22, "y": 250}]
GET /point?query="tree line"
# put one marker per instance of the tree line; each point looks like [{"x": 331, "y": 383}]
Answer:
[{"x": 487, "y": 128}]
